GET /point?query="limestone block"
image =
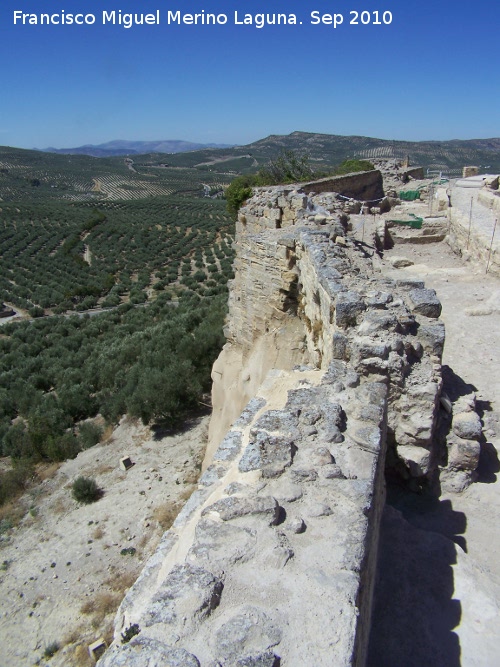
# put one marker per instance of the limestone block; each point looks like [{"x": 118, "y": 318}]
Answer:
[
  {"x": 417, "y": 459},
  {"x": 470, "y": 171},
  {"x": 432, "y": 336},
  {"x": 366, "y": 435},
  {"x": 296, "y": 525},
  {"x": 372, "y": 365},
  {"x": 491, "y": 182},
  {"x": 415, "y": 428},
  {"x": 286, "y": 491},
  {"x": 321, "y": 456},
  {"x": 188, "y": 595},
  {"x": 298, "y": 201},
  {"x": 281, "y": 252},
  {"x": 269, "y": 453},
  {"x": 425, "y": 302},
  {"x": 288, "y": 215},
  {"x": 339, "y": 346},
  {"x": 463, "y": 454},
  {"x": 273, "y": 213},
  {"x": 234, "y": 507},
  {"x": 347, "y": 308},
  {"x": 400, "y": 262},
  {"x": 145, "y": 652},
  {"x": 467, "y": 425},
  {"x": 375, "y": 321},
  {"x": 332, "y": 471},
  {"x": 455, "y": 481},
  {"x": 365, "y": 346},
  {"x": 378, "y": 299},
  {"x": 229, "y": 447},
  {"x": 246, "y": 638},
  {"x": 220, "y": 544}
]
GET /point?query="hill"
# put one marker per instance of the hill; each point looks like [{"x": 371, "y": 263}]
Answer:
[
  {"x": 327, "y": 150},
  {"x": 122, "y": 147}
]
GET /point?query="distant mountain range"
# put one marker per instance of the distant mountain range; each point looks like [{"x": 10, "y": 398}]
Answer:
[
  {"x": 122, "y": 147},
  {"x": 324, "y": 151},
  {"x": 327, "y": 150}
]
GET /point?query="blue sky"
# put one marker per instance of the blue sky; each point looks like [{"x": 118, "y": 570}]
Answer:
[{"x": 433, "y": 73}]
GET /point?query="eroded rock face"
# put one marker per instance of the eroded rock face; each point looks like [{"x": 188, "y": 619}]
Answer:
[{"x": 280, "y": 540}]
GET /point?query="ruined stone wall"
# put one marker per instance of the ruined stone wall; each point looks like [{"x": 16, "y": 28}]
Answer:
[
  {"x": 363, "y": 185},
  {"x": 477, "y": 239},
  {"x": 272, "y": 560}
]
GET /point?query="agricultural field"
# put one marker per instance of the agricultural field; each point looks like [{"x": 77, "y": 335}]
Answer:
[
  {"x": 120, "y": 274},
  {"x": 38, "y": 176},
  {"x": 60, "y": 257}
]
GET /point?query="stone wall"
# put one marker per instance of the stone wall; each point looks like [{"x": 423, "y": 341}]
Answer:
[
  {"x": 477, "y": 239},
  {"x": 363, "y": 185},
  {"x": 327, "y": 368}
]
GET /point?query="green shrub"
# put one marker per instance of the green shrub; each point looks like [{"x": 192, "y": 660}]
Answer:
[
  {"x": 237, "y": 192},
  {"x": 85, "y": 490},
  {"x": 61, "y": 448},
  {"x": 288, "y": 167},
  {"x": 128, "y": 551},
  {"x": 351, "y": 166},
  {"x": 51, "y": 649},
  {"x": 89, "y": 434},
  {"x": 13, "y": 482}
]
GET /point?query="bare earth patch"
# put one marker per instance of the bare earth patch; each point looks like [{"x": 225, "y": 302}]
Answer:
[
  {"x": 438, "y": 596},
  {"x": 65, "y": 567}
]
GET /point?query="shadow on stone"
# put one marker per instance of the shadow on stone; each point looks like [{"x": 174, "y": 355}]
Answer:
[
  {"x": 453, "y": 384},
  {"x": 414, "y": 612},
  {"x": 488, "y": 464}
]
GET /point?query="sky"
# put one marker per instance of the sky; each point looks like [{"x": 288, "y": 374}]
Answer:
[{"x": 431, "y": 71}]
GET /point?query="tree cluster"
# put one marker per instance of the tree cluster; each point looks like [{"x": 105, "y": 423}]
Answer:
[{"x": 152, "y": 363}]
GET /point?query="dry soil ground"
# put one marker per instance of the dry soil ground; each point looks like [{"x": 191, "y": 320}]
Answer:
[
  {"x": 66, "y": 566},
  {"x": 438, "y": 594}
]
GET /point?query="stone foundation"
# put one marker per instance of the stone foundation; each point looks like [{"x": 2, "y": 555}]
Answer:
[{"x": 329, "y": 374}]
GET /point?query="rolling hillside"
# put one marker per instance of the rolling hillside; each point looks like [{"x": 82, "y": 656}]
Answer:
[{"x": 326, "y": 150}]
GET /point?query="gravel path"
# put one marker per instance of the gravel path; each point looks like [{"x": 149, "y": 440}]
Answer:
[{"x": 438, "y": 594}]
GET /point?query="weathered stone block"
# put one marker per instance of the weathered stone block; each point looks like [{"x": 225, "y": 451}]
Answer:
[
  {"x": 221, "y": 544},
  {"x": 247, "y": 633},
  {"x": 188, "y": 595},
  {"x": 145, "y": 652},
  {"x": 235, "y": 507},
  {"x": 270, "y": 453},
  {"x": 417, "y": 459},
  {"x": 400, "y": 262},
  {"x": 229, "y": 447},
  {"x": 347, "y": 308},
  {"x": 463, "y": 454},
  {"x": 432, "y": 337},
  {"x": 425, "y": 302},
  {"x": 467, "y": 425}
]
